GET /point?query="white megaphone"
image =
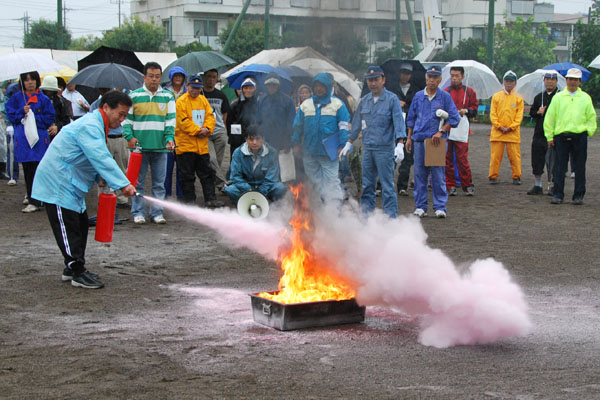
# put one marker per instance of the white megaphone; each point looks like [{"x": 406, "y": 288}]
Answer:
[{"x": 253, "y": 204}]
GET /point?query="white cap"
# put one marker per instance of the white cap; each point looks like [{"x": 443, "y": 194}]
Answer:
[{"x": 574, "y": 73}]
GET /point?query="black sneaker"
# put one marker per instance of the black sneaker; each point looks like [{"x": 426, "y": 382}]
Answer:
[
  {"x": 493, "y": 181},
  {"x": 215, "y": 204},
  {"x": 86, "y": 280},
  {"x": 536, "y": 190},
  {"x": 517, "y": 181},
  {"x": 67, "y": 274},
  {"x": 556, "y": 200},
  {"x": 452, "y": 191},
  {"x": 578, "y": 201}
]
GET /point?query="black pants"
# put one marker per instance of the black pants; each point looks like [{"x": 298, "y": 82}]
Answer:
[
  {"x": 539, "y": 146},
  {"x": 190, "y": 165},
  {"x": 567, "y": 144},
  {"x": 404, "y": 171},
  {"x": 29, "y": 169},
  {"x": 70, "y": 230}
]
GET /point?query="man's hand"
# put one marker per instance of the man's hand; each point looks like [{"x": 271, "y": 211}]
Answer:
[
  {"x": 399, "y": 153},
  {"x": 203, "y": 132},
  {"x": 435, "y": 139},
  {"x": 170, "y": 145},
  {"x": 345, "y": 150},
  {"x": 542, "y": 110},
  {"x": 463, "y": 112},
  {"x": 26, "y": 110},
  {"x": 408, "y": 145},
  {"x": 550, "y": 144},
  {"x": 128, "y": 190},
  {"x": 132, "y": 142},
  {"x": 402, "y": 103},
  {"x": 53, "y": 130}
]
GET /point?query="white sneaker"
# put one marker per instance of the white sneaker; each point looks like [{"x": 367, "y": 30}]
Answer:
[
  {"x": 440, "y": 214},
  {"x": 11, "y": 182},
  {"x": 25, "y": 201},
  {"x": 419, "y": 212},
  {"x": 139, "y": 220},
  {"x": 159, "y": 220},
  {"x": 30, "y": 208}
]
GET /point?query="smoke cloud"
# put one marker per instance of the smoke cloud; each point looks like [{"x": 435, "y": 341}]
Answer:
[{"x": 391, "y": 265}]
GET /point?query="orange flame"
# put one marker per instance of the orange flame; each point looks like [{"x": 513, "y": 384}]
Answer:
[{"x": 306, "y": 278}]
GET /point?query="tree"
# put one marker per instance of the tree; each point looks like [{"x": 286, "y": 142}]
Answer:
[
  {"x": 89, "y": 42},
  {"x": 466, "y": 49},
  {"x": 248, "y": 41},
  {"x": 586, "y": 46},
  {"x": 347, "y": 49},
  {"x": 136, "y": 35},
  {"x": 384, "y": 54},
  {"x": 190, "y": 47},
  {"x": 44, "y": 34},
  {"x": 521, "y": 47}
]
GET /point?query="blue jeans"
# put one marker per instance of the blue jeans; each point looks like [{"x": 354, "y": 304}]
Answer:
[
  {"x": 438, "y": 181},
  {"x": 158, "y": 169},
  {"x": 324, "y": 174},
  {"x": 169, "y": 177},
  {"x": 378, "y": 163},
  {"x": 235, "y": 191},
  {"x": 575, "y": 145}
]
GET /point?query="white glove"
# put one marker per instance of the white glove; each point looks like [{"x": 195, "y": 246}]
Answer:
[
  {"x": 10, "y": 130},
  {"x": 399, "y": 153},
  {"x": 345, "y": 150}
]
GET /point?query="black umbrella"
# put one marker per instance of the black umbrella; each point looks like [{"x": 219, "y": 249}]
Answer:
[
  {"x": 109, "y": 75},
  {"x": 105, "y": 54},
  {"x": 391, "y": 68}
]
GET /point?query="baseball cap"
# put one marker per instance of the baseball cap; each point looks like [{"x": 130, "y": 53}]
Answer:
[
  {"x": 551, "y": 75},
  {"x": 195, "y": 81},
  {"x": 406, "y": 67},
  {"x": 434, "y": 70},
  {"x": 509, "y": 76},
  {"x": 574, "y": 73},
  {"x": 373, "y": 72}
]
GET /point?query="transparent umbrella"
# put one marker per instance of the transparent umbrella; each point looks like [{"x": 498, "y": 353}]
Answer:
[
  {"x": 478, "y": 77},
  {"x": 530, "y": 85},
  {"x": 12, "y": 65}
]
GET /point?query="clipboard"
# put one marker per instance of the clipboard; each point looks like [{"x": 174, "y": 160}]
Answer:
[
  {"x": 332, "y": 145},
  {"x": 435, "y": 156}
]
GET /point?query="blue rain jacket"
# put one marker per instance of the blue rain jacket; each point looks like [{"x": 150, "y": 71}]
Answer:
[
  {"x": 383, "y": 121},
  {"x": 319, "y": 118},
  {"x": 44, "y": 117},
  {"x": 74, "y": 161},
  {"x": 421, "y": 115},
  {"x": 254, "y": 172}
]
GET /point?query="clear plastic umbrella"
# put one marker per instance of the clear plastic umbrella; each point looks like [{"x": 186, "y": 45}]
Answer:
[
  {"x": 530, "y": 85},
  {"x": 14, "y": 64},
  {"x": 478, "y": 77}
]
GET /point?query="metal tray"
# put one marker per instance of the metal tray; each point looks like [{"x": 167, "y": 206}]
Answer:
[{"x": 286, "y": 317}]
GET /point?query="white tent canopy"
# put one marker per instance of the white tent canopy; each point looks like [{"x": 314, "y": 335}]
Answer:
[{"x": 307, "y": 59}]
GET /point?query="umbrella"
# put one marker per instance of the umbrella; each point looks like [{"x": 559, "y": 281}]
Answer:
[
  {"x": 105, "y": 54},
  {"x": 199, "y": 61},
  {"x": 259, "y": 71},
  {"x": 530, "y": 85},
  {"x": 12, "y": 65},
  {"x": 563, "y": 67},
  {"x": 65, "y": 72},
  {"x": 595, "y": 63},
  {"x": 109, "y": 75},
  {"x": 478, "y": 77}
]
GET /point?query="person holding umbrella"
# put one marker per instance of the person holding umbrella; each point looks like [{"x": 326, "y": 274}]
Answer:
[
  {"x": 540, "y": 153},
  {"x": 17, "y": 109}
]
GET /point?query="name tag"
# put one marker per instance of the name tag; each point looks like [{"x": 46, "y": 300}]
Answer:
[{"x": 236, "y": 129}]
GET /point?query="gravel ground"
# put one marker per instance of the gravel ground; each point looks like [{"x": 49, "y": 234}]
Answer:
[{"x": 174, "y": 320}]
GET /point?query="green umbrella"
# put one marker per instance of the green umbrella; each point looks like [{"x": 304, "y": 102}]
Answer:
[{"x": 199, "y": 61}]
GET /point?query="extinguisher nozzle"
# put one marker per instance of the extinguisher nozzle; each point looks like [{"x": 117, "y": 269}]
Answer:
[{"x": 139, "y": 194}]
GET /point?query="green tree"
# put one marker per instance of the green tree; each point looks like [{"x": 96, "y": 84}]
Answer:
[
  {"x": 586, "y": 46},
  {"x": 43, "y": 35},
  {"x": 347, "y": 49},
  {"x": 136, "y": 35},
  {"x": 383, "y": 54},
  {"x": 190, "y": 47},
  {"x": 520, "y": 46},
  {"x": 467, "y": 49},
  {"x": 89, "y": 42},
  {"x": 248, "y": 41}
]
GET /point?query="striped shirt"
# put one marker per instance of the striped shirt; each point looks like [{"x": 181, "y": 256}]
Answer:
[{"x": 151, "y": 120}]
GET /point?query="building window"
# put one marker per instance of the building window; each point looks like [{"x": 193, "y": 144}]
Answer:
[
  {"x": 257, "y": 2},
  {"x": 305, "y": 3},
  {"x": 385, "y": 5},
  {"x": 380, "y": 34},
  {"x": 205, "y": 27},
  {"x": 349, "y": 4},
  {"x": 210, "y": 1},
  {"x": 166, "y": 25}
]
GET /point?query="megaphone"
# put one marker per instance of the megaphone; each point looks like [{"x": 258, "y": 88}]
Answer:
[{"x": 253, "y": 204}]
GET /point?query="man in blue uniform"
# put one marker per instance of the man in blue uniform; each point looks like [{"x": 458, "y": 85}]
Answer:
[
  {"x": 423, "y": 122},
  {"x": 379, "y": 116}
]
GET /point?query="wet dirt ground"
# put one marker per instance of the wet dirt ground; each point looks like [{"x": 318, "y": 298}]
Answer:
[{"x": 174, "y": 320}]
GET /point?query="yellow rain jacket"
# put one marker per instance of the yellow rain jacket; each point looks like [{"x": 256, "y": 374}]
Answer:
[
  {"x": 192, "y": 114},
  {"x": 507, "y": 111}
]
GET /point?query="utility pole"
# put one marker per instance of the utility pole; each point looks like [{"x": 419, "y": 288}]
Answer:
[
  {"x": 119, "y": 3},
  {"x": 59, "y": 26},
  {"x": 413, "y": 31},
  {"x": 490, "y": 41},
  {"x": 267, "y": 23},
  {"x": 235, "y": 27},
  {"x": 398, "y": 30}
]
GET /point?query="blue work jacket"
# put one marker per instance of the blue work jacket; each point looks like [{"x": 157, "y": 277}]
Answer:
[
  {"x": 383, "y": 121},
  {"x": 251, "y": 171},
  {"x": 421, "y": 115},
  {"x": 74, "y": 161}
]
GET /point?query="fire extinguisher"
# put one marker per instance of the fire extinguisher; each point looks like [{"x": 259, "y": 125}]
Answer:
[
  {"x": 105, "y": 220},
  {"x": 134, "y": 165}
]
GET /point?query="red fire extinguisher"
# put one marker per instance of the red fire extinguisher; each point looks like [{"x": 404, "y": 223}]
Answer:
[
  {"x": 105, "y": 220},
  {"x": 134, "y": 166}
]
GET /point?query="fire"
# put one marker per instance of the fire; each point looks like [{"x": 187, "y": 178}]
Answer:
[{"x": 306, "y": 278}]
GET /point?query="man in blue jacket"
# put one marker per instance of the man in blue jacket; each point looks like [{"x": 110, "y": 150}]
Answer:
[
  {"x": 75, "y": 160},
  {"x": 321, "y": 127},
  {"x": 379, "y": 116},
  {"x": 255, "y": 166},
  {"x": 424, "y": 123}
]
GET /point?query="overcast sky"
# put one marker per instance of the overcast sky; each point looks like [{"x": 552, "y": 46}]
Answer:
[{"x": 94, "y": 16}]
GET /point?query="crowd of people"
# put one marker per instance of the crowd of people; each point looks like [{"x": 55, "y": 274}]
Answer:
[{"x": 183, "y": 129}]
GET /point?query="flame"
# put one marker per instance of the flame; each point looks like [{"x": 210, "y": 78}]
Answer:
[{"x": 306, "y": 277}]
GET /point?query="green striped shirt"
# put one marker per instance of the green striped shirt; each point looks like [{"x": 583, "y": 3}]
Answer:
[{"x": 151, "y": 120}]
